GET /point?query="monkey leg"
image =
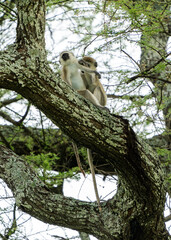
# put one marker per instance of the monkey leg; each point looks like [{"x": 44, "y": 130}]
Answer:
[
  {"x": 88, "y": 95},
  {"x": 100, "y": 96}
]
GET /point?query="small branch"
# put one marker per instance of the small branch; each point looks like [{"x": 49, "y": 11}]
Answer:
[
  {"x": 15, "y": 123},
  {"x": 127, "y": 97},
  {"x": 25, "y": 115},
  {"x": 3, "y": 238},
  {"x": 13, "y": 227},
  {"x": 9, "y": 101},
  {"x": 157, "y": 78},
  {"x": 147, "y": 70},
  {"x": 89, "y": 44},
  {"x": 8, "y": 118},
  {"x": 9, "y": 9},
  {"x": 140, "y": 75},
  {"x": 168, "y": 218},
  {"x": 130, "y": 57}
]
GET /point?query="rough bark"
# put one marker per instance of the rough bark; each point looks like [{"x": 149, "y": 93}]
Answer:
[
  {"x": 136, "y": 211},
  {"x": 154, "y": 52},
  {"x": 129, "y": 215}
]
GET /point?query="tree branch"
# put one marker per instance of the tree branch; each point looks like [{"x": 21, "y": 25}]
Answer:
[
  {"x": 168, "y": 218},
  {"x": 128, "y": 97},
  {"x": 147, "y": 72},
  {"x": 106, "y": 134},
  {"x": 12, "y": 229},
  {"x": 9, "y": 101},
  {"x": 33, "y": 197}
]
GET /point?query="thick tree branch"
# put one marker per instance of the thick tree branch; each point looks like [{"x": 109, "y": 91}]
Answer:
[
  {"x": 78, "y": 118},
  {"x": 107, "y": 134},
  {"x": 33, "y": 197}
]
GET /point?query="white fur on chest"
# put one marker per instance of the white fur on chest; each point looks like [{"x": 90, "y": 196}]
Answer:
[{"x": 75, "y": 77}]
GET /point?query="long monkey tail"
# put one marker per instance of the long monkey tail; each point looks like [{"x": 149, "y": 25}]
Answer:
[
  {"x": 90, "y": 160},
  {"x": 77, "y": 157}
]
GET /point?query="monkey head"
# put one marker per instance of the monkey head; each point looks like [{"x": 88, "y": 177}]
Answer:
[
  {"x": 88, "y": 62},
  {"x": 66, "y": 57}
]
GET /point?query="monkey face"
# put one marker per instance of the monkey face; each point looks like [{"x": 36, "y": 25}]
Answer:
[
  {"x": 65, "y": 56},
  {"x": 84, "y": 63},
  {"x": 88, "y": 62}
]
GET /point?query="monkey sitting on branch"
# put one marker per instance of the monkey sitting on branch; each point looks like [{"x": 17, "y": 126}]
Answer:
[
  {"x": 71, "y": 74},
  {"x": 89, "y": 87},
  {"x": 92, "y": 81}
]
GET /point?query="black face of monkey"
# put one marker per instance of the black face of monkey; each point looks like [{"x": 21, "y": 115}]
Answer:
[
  {"x": 84, "y": 63},
  {"x": 65, "y": 56}
]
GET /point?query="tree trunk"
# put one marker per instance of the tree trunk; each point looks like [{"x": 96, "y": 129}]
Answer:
[
  {"x": 153, "y": 52},
  {"x": 136, "y": 211}
]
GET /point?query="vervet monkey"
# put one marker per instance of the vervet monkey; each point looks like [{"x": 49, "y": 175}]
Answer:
[
  {"x": 72, "y": 75},
  {"x": 92, "y": 81},
  {"x": 94, "y": 85}
]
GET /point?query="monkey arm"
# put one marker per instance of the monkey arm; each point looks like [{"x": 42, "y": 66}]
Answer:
[
  {"x": 66, "y": 75},
  {"x": 83, "y": 63},
  {"x": 86, "y": 69}
]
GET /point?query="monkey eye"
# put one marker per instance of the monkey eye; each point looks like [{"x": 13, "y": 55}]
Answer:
[{"x": 95, "y": 64}]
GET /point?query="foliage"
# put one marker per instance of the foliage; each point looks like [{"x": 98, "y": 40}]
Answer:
[{"x": 44, "y": 164}]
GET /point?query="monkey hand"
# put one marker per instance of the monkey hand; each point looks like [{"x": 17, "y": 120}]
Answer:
[{"x": 97, "y": 74}]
